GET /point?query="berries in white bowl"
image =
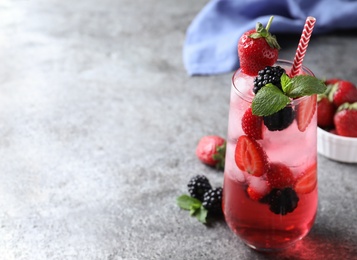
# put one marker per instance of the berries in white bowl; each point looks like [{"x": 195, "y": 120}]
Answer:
[{"x": 337, "y": 121}]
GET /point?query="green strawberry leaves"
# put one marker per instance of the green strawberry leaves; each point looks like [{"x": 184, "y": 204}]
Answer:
[
  {"x": 262, "y": 32},
  {"x": 194, "y": 206},
  {"x": 220, "y": 156},
  {"x": 270, "y": 99},
  {"x": 347, "y": 106}
]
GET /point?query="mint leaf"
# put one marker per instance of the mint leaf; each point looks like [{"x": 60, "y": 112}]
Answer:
[
  {"x": 305, "y": 85},
  {"x": 188, "y": 203},
  {"x": 269, "y": 100},
  {"x": 201, "y": 214},
  {"x": 286, "y": 83},
  {"x": 194, "y": 206}
]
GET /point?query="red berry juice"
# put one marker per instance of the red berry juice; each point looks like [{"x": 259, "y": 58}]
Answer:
[{"x": 248, "y": 199}]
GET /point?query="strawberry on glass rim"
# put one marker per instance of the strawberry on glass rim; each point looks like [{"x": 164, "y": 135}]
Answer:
[{"x": 257, "y": 49}]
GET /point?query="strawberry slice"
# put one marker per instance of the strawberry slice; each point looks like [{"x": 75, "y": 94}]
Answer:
[
  {"x": 305, "y": 111},
  {"x": 252, "y": 125},
  {"x": 255, "y": 195},
  {"x": 280, "y": 176},
  {"x": 250, "y": 157},
  {"x": 307, "y": 181},
  {"x": 258, "y": 187}
]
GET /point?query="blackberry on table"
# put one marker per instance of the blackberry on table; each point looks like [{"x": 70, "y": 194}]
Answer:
[
  {"x": 268, "y": 75},
  {"x": 281, "y": 201},
  {"x": 212, "y": 201},
  {"x": 280, "y": 120},
  {"x": 198, "y": 186}
]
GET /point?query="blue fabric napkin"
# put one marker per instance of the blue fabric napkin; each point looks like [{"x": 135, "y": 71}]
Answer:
[{"x": 211, "y": 40}]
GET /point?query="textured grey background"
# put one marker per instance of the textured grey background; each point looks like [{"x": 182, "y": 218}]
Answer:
[{"x": 98, "y": 126}]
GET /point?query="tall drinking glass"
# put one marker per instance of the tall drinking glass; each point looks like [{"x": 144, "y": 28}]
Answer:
[{"x": 275, "y": 209}]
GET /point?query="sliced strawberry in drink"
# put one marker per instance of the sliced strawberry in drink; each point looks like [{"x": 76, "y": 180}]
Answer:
[
  {"x": 250, "y": 157},
  {"x": 280, "y": 176},
  {"x": 305, "y": 111},
  {"x": 252, "y": 124},
  {"x": 258, "y": 187},
  {"x": 253, "y": 194},
  {"x": 307, "y": 181}
]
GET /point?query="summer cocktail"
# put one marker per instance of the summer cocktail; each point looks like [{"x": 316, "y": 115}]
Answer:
[{"x": 270, "y": 180}]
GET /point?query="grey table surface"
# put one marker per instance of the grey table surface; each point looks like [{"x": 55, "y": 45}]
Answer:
[{"x": 98, "y": 126}]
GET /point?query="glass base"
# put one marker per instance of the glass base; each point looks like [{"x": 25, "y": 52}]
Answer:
[{"x": 274, "y": 249}]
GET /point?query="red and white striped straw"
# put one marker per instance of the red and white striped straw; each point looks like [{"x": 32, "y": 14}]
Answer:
[{"x": 304, "y": 41}]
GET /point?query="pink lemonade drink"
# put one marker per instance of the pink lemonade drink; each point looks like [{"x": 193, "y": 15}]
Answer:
[{"x": 270, "y": 180}]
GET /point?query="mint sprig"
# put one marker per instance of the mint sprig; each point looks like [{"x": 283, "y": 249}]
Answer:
[
  {"x": 304, "y": 85},
  {"x": 194, "y": 206},
  {"x": 270, "y": 99}
]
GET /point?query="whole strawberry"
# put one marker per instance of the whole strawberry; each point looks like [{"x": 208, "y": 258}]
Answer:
[
  {"x": 252, "y": 125},
  {"x": 345, "y": 120},
  {"x": 257, "y": 49},
  {"x": 332, "y": 81},
  {"x": 280, "y": 176},
  {"x": 343, "y": 92},
  {"x": 325, "y": 111},
  {"x": 211, "y": 150}
]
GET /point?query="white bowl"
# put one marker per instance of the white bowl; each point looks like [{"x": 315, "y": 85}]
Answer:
[{"x": 335, "y": 147}]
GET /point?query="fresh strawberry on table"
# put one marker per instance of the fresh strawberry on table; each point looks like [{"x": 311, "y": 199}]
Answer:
[
  {"x": 343, "y": 92},
  {"x": 257, "y": 49},
  {"x": 345, "y": 120},
  {"x": 211, "y": 150}
]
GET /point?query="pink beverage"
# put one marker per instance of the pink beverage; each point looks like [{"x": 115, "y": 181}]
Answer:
[{"x": 276, "y": 206}]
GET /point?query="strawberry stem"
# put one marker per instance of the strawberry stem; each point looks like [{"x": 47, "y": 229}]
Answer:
[{"x": 269, "y": 23}]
